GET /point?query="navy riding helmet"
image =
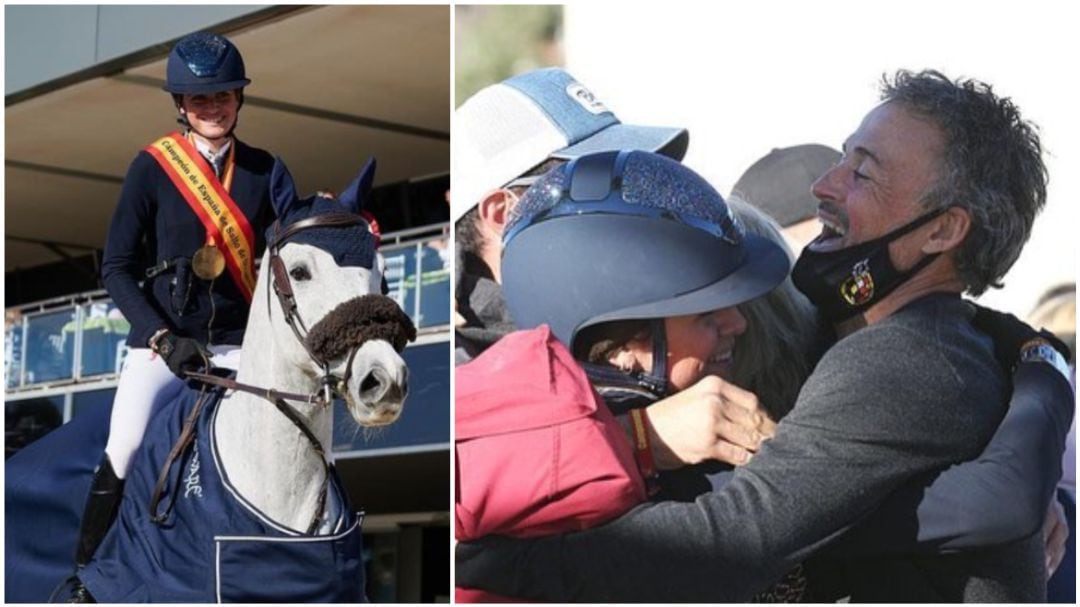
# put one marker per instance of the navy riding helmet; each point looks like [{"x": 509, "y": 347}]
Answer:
[
  {"x": 204, "y": 63},
  {"x": 628, "y": 235}
]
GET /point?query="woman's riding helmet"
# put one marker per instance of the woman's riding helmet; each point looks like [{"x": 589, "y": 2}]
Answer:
[
  {"x": 204, "y": 63},
  {"x": 628, "y": 235}
]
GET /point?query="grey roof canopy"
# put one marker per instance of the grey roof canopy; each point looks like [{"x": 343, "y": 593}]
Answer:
[{"x": 331, "y": 86}]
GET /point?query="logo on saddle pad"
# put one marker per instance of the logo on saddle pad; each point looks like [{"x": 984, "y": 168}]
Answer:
[{"x": 192, "y": 484}]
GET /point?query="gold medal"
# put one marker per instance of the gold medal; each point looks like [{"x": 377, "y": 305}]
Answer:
[{"x": 208, "y": 262}]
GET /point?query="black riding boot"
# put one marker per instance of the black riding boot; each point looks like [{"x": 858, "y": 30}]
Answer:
[{"x": 101, "y": 507}]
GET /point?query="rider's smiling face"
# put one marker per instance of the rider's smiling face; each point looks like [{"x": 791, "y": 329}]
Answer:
[
  {"x": 697, "y": 345},
  {"x": 211, "y": 115}
]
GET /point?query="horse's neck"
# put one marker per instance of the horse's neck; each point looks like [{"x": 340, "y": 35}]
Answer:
[{"x": 266, "y": 457}]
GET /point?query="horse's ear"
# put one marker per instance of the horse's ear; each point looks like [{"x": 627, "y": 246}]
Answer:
[
  {"x": 355, "y": 194},
  {"x": 282, "y": 188}
]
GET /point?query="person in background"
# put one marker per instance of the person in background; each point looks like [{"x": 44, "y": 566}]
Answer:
[
  {"x": 505, "y": 137},
  {"x": 779, "y": 182},
  {"x": 1056, "y": 312}
]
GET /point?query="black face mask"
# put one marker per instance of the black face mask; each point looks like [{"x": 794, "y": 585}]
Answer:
[{"x": 848, "y": 281}]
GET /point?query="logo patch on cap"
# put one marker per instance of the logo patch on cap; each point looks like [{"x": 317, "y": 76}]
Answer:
[
  {"x": 585, "y": 98},
  {"x": 858, "y": 288}
]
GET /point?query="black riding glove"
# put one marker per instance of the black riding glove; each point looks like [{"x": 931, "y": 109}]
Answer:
[
  {"x": 182, "y": 354},
  {"x": 1010, "y": 334}
]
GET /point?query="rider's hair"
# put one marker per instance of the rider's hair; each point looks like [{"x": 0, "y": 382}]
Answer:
[{"x": 774, "y": 356}]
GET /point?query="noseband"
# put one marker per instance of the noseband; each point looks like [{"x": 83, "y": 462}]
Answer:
[{"x": 282, "y": 286}]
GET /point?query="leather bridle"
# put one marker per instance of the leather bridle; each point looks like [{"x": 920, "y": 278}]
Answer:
[{"x": 282, "y": 286}]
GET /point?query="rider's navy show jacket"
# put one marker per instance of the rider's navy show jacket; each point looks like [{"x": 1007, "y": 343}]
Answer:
[{"x": 153, "y": 225}]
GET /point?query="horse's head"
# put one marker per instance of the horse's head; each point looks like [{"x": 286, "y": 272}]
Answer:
[{"x": 331, "y": 318}]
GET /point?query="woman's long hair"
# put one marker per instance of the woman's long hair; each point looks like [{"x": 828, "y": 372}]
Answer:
[{"x": 775, "y": 355}]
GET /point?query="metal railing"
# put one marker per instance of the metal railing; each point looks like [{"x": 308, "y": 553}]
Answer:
[{"x": 81, "y": 337}]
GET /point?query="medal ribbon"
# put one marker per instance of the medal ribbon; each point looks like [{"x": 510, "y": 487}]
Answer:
[
  {"x": 643, "y": 451},
  {"x": 225, "y": 223}
]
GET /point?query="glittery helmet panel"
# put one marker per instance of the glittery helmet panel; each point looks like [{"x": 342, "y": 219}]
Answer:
[
  {"x": 350, "y": 246},
  {"x": 203, "y": 54},
  {"x": 628, "y": 235},
  {"x": 650, "y": 181},
  {"x": 204, "y": 63}
]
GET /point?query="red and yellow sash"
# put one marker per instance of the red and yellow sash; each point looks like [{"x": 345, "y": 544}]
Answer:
[{"x": 209, "y": 198}]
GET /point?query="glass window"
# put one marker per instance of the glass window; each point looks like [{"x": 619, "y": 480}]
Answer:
[
  {"x": 435, "y": 284},
  {"x": 13, "y": 342},
  {"x": 426, "y": 417},
  {"x": 50, "y": 346},
  {"x": 432, "y": 286},
  {"x": 400, "y": 269},
  {"x": 91, "y": 399},
  {"x": 104, "y": 332},
  {"x": 28, "y": 419},
  {"x": 381, "y": 567}
]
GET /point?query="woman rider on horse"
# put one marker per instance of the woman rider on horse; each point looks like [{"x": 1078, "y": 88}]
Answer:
[{"x": 188, "y": 227}]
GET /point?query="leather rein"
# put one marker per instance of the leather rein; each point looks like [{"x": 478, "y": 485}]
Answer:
[{"x": 331, "y": 384}]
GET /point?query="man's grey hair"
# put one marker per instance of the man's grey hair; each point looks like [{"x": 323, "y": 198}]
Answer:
[
  {"x": 774, "y": 356},
  {"x": 992, "y": 166}
]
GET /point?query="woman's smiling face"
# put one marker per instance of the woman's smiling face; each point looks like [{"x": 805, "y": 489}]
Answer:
[
  {"x": 701, "y": 344},
  {"x": 697, "y": 345},
  {"x": 213, "y": 115}
]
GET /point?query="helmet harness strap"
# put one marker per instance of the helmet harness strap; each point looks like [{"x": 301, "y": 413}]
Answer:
[{"x": 658, "y": 374}]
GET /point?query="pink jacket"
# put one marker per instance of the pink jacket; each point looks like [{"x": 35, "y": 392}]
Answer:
[{"x": 537, "y": 450}]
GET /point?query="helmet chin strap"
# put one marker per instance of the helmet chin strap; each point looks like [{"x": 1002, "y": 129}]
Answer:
[
  {"x": 653, "y": 380},
  {"x": 657, "y": 376}
]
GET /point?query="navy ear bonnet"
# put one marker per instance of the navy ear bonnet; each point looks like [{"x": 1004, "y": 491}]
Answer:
[{"x": 353, "y": 245}]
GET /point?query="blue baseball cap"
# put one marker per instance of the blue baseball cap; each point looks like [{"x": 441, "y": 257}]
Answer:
[{"x": 508, "y": 128}]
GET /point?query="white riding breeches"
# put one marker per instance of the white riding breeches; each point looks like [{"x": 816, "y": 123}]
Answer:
[{"x": 145, "y": 384}]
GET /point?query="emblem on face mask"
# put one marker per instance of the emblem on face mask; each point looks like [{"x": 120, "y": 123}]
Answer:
[{"x": 858, "y": 288}]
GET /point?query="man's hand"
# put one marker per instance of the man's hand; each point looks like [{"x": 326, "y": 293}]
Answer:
[
  {"x": 1055, "y": 534},
  {"x": 712, "y": 419}
]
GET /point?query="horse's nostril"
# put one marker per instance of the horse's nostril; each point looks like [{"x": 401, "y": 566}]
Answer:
[{"x": 370, "y": 383}]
